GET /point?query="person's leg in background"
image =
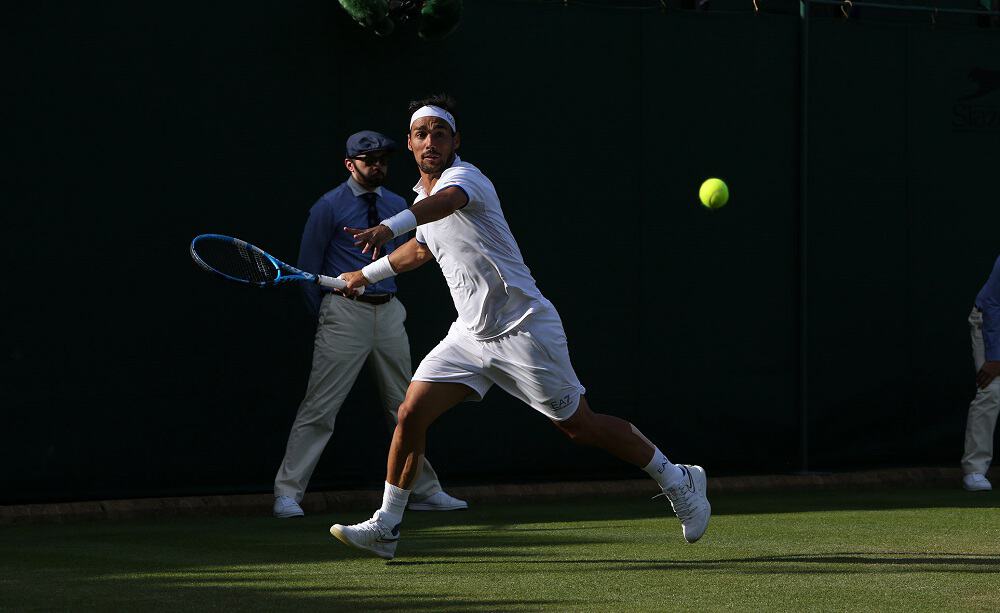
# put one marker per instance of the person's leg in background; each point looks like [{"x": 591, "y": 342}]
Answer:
[
  {"x": 343, "y": 342},
  {"x": 982, "y": 419}
]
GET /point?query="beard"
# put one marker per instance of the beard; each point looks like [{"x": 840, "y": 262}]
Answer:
[
  {"x": 372, "y": 179},
  {"x": 427, "y": 169},
  {"x": 432, "y": 168}
]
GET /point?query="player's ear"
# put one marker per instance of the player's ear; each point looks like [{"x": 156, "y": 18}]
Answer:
[
  {"x": 458, "y": 140},
  {"x": 349, "y": 164},
  {"x": 408, "y": 144}
]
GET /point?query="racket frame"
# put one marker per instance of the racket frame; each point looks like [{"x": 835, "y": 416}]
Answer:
[{"x": 286, "y": 272}]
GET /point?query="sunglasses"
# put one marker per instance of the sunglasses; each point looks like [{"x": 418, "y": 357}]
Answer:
[{"x": 371, "y": 160}]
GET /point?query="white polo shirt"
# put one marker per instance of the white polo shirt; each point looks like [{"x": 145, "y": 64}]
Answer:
[{"x": 491, "y": 286}]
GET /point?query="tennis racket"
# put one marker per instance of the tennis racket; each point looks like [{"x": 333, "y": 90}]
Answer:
[{"x": 239, "y": 261}]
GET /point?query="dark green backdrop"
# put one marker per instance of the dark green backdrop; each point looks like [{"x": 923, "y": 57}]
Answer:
[{"x": 132, "y": 127}]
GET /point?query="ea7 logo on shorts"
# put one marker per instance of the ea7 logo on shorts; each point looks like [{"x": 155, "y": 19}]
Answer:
[{"x": 562, "y": 403}]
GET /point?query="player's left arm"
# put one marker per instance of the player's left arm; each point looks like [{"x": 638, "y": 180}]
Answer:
[
  {"x": 430, "y": 209},
  {"x": 440, "y": 205}
]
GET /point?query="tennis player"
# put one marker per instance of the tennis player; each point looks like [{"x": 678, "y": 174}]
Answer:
[
  {"x": 351, "y": 330},
  {"x": 507, "y": 333}
]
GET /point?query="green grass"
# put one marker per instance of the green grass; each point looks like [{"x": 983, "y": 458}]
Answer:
[{"x": 901, "y": 550}]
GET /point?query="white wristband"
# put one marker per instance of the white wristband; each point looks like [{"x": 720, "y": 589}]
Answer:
[
  {"x": 401, "y": 222},
  {"x": 378, "y": 270}
]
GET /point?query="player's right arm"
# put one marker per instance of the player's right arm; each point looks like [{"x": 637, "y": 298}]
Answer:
[{"x": 412, "y": 254}]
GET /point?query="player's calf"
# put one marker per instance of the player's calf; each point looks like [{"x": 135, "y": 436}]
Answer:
[{"x": 612, "y": 434}]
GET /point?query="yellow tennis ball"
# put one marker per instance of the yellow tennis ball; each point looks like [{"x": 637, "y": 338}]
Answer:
[{"x": 713, "y": 193}]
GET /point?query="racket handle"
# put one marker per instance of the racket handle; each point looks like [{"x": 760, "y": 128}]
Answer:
[{"x": 335, "y": 283}]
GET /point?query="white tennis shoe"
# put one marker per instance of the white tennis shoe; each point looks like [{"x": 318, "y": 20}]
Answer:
[
  {"x": 438, "y": 502},
  {"x": 976, "y": 482},
  {"x": 690, "y": 501},
  {"x": 285, "y": 506},
  {"x": 371, "y": 535}
]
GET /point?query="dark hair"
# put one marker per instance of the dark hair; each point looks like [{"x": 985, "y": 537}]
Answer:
[{"x": 442, "y": 100}]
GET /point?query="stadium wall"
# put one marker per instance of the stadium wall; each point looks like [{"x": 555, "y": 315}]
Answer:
[{"x": 128, "y": 372}]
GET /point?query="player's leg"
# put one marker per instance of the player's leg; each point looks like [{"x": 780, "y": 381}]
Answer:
[
  {"x": 683, "y": 485},
  {"x": 390, "y": 359},
  {"x": 621, "y": 439},
  {"x": 424, "y": 403},
  {"x": 343, "y": 340},
  {"x": 451, "y": 373},
  {"x": 533, "y": 364},
  {"x": 613, "y": 434}
]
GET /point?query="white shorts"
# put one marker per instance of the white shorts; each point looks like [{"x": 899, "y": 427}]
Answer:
[{"x": 531, "y": 363}]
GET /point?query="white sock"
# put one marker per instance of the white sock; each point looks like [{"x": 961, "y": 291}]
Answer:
[
  {"x": 393, "y": 504},
  {"x": 660, "y": 469}
]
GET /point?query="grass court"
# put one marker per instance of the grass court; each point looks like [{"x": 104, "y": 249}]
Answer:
[{"x": 897, "y": 550}]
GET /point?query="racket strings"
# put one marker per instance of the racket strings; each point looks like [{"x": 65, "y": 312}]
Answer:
[
  {"x": 237, "y": 260},
  {"x": 261, "y": 269}
]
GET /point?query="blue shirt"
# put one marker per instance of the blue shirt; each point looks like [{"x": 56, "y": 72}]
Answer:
[
  {"x": 328, "y": 250},
  {"x": 988, "y": 301}
]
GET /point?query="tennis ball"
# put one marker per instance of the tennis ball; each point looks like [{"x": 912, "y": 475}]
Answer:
[{"x": 713, "y": 193}]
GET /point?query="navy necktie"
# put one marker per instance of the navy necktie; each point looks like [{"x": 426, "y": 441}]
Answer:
[{"x": 373, "y": 219}]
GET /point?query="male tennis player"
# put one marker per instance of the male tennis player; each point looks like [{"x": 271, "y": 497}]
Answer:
[
  {"x": 352, "y": 329},
  {"x": 507, "y": 333}
]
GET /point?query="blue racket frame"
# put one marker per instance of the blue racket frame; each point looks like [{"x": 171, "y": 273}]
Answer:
[{"x": 286, "y": 272}]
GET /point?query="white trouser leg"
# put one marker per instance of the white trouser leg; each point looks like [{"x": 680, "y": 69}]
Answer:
[
  {"x": 391, "y": 361},
  {"x": 344, "y": 338},
  {"x": 983, "y": 409}
]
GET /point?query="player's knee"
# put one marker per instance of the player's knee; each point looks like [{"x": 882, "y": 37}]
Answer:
[
  {"x": 410, "y": 417},
  {"x": 405, "y": 414}
]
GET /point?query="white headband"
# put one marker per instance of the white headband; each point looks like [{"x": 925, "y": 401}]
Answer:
[{"x": 433, "y": 111}]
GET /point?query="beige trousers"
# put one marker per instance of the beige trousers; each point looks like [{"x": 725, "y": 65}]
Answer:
[
  {"x": 982, "y": 410},
  {"x": 349, "y": 334}
]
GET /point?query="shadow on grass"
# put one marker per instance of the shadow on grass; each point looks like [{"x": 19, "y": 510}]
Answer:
[
  {"x": 249, "y": 564},
  {"x": 509, "y": 515},
  {"x": 851, "y": 500},
  {"x": 778, "y": 564}
]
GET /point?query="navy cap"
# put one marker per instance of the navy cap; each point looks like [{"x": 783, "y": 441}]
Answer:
[{"x": 367, "y": 141}]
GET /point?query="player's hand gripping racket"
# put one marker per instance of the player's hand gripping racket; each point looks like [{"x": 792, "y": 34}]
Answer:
[{"x": 239, "y": 261}]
